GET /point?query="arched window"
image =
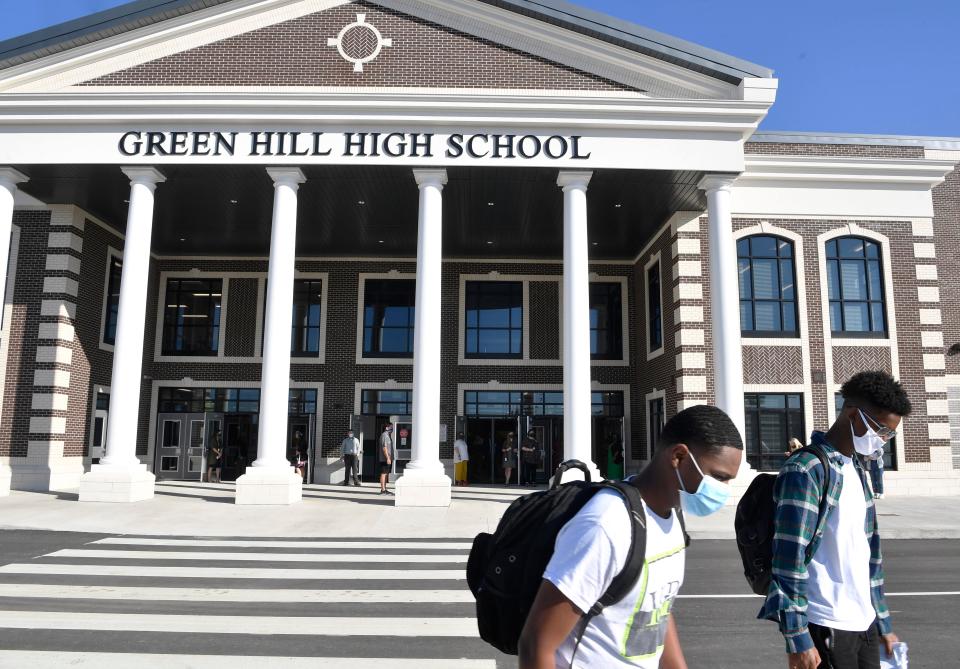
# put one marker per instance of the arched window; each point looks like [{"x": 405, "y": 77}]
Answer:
[
  {"x": 768, "y": 287},
  {"x": 855, "y": 287}
]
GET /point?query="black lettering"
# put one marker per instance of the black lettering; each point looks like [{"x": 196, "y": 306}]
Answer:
[
  {"x": 374, "y": 144},
  {"x": 471, "y": 151},
  {"x": 201, "y": 143},
  {"x": 316, "y": 145},
  {"x": 575, "y": 140},
  {"x": 426, "y": 143},
  {"x": 127, "y": 147},
  {"x": 155, "y": 144},
  {"x": 221, "y": 142},
  {"x": 454, "y": 146},
  {"x": 295, "y": 142},
  {"x": 178, "y": 143},
  {"x": 256, "y": 143},
  {"x": 521, "y": 146},
  {"x": 564, "y": 147},
  {"x": 360, "y": 143},
  {"x": 281, "y": 143},
  {"x": 503, "y": 143},
  {"x": 399, "y": 146}
]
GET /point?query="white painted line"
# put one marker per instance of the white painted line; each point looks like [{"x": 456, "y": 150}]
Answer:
[
  {"x": 220, "y": 574},
  {"x": 267, "y": 625},
  {"x": 28, "y": 658},
  {"x": 292, "y": 596},
  {"x": 889, "y": 594},
  {"x": 238, "y": 543},
  {"x": 361, "y": 559}
]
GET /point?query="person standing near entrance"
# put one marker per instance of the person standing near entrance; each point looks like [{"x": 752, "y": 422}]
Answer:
[
  {"x": 385, "y": 457},
  {"x": 532, "y": 454},
  {"x": 509, "y": 453},
  {"x": 461, "y": 459},
  {"x": 350, "y": 451},
  {"x": 826, "y": 587},
  {"x": 214, "y": 459}
]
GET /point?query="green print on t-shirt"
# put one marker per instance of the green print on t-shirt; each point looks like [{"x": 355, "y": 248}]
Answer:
[{"x": 647, "y": 627}]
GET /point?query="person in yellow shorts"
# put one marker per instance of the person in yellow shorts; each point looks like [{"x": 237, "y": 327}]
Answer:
[{"x": 461, "y": 457}]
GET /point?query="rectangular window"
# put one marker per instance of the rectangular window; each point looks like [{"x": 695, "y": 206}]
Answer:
[
  {"x": 494, "y": 313},
  {"x": 516, "y": 403},
  {"x": 889, "y": 448},
  {"x": 855, "y": 288},
  {"x": 212, "y": 400},
  {"x": 191, "y": 317},
  {"x": 608, "y": 404},
  {"x": 655, "y": 422},
  {"x": 654, "y": 310},
  {"x": 606, "y": 324},
  {"x": 113, "y": 302},
  {"x": 386, "y": 402},
  {"x": 305, "y": 337},
  {"x": 772, "y": 420},
  {"x": 768, "y": 295},
  {"x": 303, "y": 401},
  {"x": 388, "y": 318}
]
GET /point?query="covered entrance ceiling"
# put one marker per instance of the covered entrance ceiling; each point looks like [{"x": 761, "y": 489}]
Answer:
[{"x": 372, "y": 211}]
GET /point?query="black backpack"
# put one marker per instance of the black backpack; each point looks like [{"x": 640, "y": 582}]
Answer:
[
  {"x": 505, "y": 569},
  {"x": 754, "y": 524}
]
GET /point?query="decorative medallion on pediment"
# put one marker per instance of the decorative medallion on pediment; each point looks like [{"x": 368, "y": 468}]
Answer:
[{"x": 360, "y": 42}]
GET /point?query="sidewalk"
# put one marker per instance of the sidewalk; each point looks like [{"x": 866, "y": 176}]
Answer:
[{"x": 207, "y": 510}]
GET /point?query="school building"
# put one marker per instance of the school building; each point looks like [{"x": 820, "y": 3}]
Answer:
[{"x": 254, "y": 224}]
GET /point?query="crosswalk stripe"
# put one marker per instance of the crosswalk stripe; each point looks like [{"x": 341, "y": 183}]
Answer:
[
  {"x": 281, "y": 596},
  {"x": 265, "y": 625},
  {"x": 262, "y": 543},
  {"x": 19, "y": 658},
  {"x": 93, "y": 554},
  {"x": 221, "y": 574}
]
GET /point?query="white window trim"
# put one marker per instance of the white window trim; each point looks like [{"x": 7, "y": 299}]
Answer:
[
  {"x": 624, "y": 358},
  {"x": 321, "y": 356},
  {"x": 224, "y": 301},
  {"x": 655, "y": 353},
  {"x": 361, "y": 300},
  {"x": 765, "y": 228},
  {"x": 890, "y": 308},
  {"x": 389, "y": 384},
  {"x": 524, "y": 280},
  {"x": 111, "y": 254},
  {"x": 647, "y": 399},
  {"x": 193, "y": 383},
  {"x": 8, "y": 308},
  {"x": 806, "y": 400}
]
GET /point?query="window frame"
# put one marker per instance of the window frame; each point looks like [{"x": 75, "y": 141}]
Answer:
[
  {"x": 320, "y": 289},
  {"x": 218, "y": 310},
  {"x": 781, "y": 301},
  {"x": 882, "y": 301},
  {"x": 614, "y": 327},
  {"x": 756, "y": 459},
  {"x": 521, "y": 288},
  {"x": 370, "y": 357},
  {"x": 649, "y": 319}
]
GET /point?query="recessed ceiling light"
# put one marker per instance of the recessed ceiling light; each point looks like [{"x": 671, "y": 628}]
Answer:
[
  {"x": 618, "y": 205},
  {"x": 489, "y": 243},
  {"x": 233, "y": 201},
  {"x": 183, "y": 239},
  {"x": 127, "y": 201},
  {"x": 380, "y": 241},
  {"x": 490, "y": 204},
  {"x": 596, "y": 243},
  {"x": 362, "y": 202}
]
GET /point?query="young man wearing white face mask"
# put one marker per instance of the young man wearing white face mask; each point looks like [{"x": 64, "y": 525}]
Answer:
[
  {"x": 697, "y": 455},
  {"x": 826, "y": 590}
]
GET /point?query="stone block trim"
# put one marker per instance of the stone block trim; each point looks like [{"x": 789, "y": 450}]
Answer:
[
  {"x": 761, "y": 364},
  {"x": 295, "y": 53},
  {"x": 544, "y": 302},
  {"x": 241, "y": 321}
]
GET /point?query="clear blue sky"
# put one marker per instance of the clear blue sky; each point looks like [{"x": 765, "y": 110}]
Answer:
[{"x": 867, "y": 66}]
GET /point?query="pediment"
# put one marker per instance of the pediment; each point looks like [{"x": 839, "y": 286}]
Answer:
[{"x": 333, "y": 44}]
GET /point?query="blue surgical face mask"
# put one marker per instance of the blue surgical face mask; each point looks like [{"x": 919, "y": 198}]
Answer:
[{"x": 710, "y": 497}]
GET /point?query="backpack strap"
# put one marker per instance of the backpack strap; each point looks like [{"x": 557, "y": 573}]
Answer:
[
  {"x": 683, "y": 526},
  {"x": 821, "y": 454}
]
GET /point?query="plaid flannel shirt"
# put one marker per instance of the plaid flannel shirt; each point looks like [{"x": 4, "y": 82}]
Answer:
[{"x": 797, "y": 493}]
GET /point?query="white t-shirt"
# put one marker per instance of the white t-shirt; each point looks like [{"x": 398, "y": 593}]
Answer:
[
  {"x": 590, "y": 551},
  {"x": 838, "y": 587},
  {"x": 460, "y": 451}
]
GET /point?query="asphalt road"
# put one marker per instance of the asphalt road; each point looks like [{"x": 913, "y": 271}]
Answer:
[{"x": 716, "y": 617}]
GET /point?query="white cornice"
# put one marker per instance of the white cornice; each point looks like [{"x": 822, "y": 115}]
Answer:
[
  {"x": 819, "y": 170},
  {"x": 629, "y": 68},
  {"x": 357, "y": 109}
]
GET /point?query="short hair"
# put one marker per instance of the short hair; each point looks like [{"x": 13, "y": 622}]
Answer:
[
  {"x": 879, "y": 390},
  {"x": 702, "y": 426}
]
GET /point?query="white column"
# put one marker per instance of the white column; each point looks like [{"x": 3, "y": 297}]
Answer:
[
  {"x": 271, "y": 479},
  {"x": 577, "y": 413},
  {"x": 120, "y": 476},
  {"x": 9, "y": 178},
  {"x": 423, "y": 482},
  {"x": 725, "y": 301}
]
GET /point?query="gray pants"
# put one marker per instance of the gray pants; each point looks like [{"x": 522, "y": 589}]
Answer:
[{"x": 351, "y": 469}]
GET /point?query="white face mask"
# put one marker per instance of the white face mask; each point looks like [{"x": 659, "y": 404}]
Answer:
[{"x": 870, "y": 443}]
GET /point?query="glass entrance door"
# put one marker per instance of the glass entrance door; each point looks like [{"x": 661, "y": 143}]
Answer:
[
  {"x": 239, "y": 444},
  {"x": 180, "y": 446},
  {"x": 608, "y": 450},
  {"x": 300, "y": 436}
]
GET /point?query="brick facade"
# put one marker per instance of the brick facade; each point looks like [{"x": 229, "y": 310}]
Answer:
[{"x": 295, "y": 53}]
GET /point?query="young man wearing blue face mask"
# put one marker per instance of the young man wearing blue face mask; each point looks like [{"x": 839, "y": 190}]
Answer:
[
  {"x": 697, "y": 455},
  {"x": 826, "y": 590}
]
